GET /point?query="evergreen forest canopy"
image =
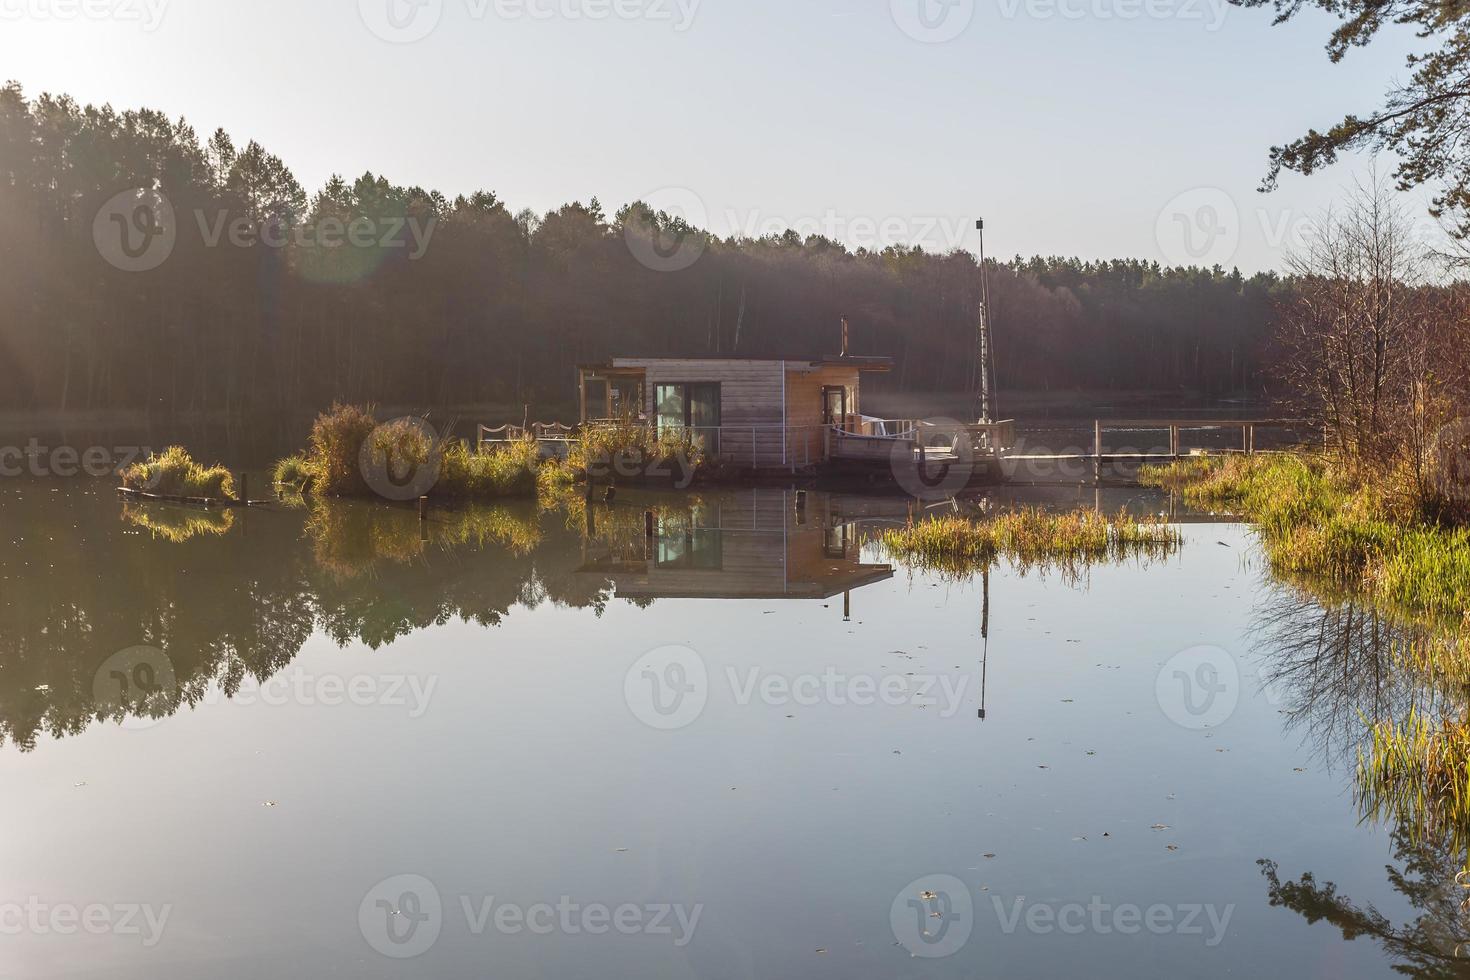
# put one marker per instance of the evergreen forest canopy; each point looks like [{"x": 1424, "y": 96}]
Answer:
[{"x": 458, "y": 301}]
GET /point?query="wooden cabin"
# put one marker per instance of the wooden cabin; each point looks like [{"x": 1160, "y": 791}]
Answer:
[{"x": 755, "y": 412}]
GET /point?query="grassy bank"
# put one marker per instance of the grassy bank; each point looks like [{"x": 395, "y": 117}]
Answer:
[
  {"x": 1030, "y": 537},
  {"x": 1366, "y": 535}
]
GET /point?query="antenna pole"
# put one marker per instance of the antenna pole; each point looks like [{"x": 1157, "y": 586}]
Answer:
[{"x": 987, "y": 372}]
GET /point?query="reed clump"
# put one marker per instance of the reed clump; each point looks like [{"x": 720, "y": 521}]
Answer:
[
  {"x": 347, "y": 440},
  {"x": 293, "y": 473},
  {"x": 174, "y": 472},
  {"x": 1030, "y": 537},
  {"x": 508, "y": 470},
  {"x": 635, "y": 449}
]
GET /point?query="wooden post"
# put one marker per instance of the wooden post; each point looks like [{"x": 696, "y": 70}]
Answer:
[
  {"x": 1097, "y": 449},
  {"x": 648, "y": 524},
  {"x": 1250, "y": 440},
  {"x": 1174, "y": 441},
  {"x": 1245, "y": 439},
  {"x": 423, "y": 509},
  {"x": 244, "y": 488}
]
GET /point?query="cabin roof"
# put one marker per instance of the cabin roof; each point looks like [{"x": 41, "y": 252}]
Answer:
[{"x": 862, "y": 363}]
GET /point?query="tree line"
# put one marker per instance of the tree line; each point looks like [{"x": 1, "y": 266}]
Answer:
[{"x": 271, "y": 299}]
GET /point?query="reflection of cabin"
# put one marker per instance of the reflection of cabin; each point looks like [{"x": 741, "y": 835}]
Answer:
[
  {"x": 746, "y": 411},
  {"x": 752, "y": 544}
]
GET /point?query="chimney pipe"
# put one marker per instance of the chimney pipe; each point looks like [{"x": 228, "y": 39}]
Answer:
[{"x": 844, "y": 336}]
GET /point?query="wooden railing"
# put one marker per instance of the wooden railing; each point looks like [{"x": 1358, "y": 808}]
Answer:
[{"x": 1174, "y": 427}]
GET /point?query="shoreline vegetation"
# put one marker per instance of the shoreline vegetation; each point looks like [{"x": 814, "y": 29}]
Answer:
[
  {"x": 1345, "y": 530},
  {"x": 1030, "y": 537},
  {"x": 350, "y": 454}
]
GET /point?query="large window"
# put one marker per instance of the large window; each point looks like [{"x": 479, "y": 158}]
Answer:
[{"x": 690, "y": 406}]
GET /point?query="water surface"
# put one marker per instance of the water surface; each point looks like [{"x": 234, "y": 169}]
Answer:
[{"x": 260, "y": 724}]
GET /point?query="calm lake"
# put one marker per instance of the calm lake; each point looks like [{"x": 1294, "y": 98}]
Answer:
[{"x": 322, "y": 741}]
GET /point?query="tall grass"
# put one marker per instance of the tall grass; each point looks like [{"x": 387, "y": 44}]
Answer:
[
  {"x": 1320, "y": 519},
  {"x": 509, "y": 470},
  {"x": 334, "y": 450},
  {"x": 174, "y": 472},
  {"x": 293, "y": 472},
  {"x": 342, "y": 437},
  {"x": 630, "y": 448},
  {"x": 1030, "y": 537}
]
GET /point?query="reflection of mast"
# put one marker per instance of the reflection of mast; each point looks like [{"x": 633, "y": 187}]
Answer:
[
  {"x": 847, "y": 607},
  {"x": 984, "y": 634}
]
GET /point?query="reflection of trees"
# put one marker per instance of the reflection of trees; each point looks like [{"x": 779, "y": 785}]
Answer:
[
  {"x": 1434, "y": 944},
  {"x": 241, "y": 603},
  {"x": 1333, "y": 664},
  {"x": 1354, "y": 679}
]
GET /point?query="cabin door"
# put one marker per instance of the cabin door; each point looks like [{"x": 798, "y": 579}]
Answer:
[{"x": 834, "y": 405}]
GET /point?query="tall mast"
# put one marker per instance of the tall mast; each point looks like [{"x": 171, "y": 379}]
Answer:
[{"x": 987, "y": 404}]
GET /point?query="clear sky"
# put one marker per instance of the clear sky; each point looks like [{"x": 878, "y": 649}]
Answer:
[{"x": 1073, "y": 126}]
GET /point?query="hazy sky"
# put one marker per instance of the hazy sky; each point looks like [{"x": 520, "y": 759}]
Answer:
[{"x": 1096, "y": 128}]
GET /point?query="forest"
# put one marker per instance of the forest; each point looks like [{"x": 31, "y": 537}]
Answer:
[{"x": 271, "y": 299}]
